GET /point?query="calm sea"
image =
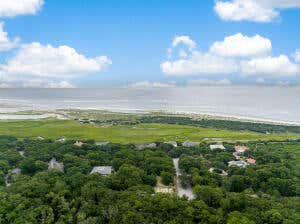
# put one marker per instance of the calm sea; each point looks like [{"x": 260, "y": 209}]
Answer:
[{"x": 270, "y": 103}]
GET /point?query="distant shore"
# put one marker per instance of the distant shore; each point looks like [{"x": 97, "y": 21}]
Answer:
[{"x": 63, "y": 114}]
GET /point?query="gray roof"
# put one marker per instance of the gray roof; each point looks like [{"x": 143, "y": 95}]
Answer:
[
  {"x": 53, "y": 164},
  {"x": 190, "y": 144},
  {"x": 102, "y": 143},
  {"x": 16, "y": 171},
  {"x": 103, "y": 170},
  {"x": 238, "y": 163},
  {"x": 149, "y": 146}
]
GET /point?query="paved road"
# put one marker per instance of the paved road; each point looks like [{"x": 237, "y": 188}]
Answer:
[{"x": 180, "y": 190}]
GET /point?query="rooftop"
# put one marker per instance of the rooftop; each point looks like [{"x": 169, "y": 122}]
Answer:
[
  {"x": 145, "y": 146},
  {"x": 217, "y": 146},
  {"x": 103, "y": 170},
  {"x": 53, "y": 164},
  {"x": 190, "y": 144},
  {"x": 238, "y": 163}
]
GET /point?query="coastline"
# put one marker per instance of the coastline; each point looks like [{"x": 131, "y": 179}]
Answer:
[{"x": 62, "y": 114}]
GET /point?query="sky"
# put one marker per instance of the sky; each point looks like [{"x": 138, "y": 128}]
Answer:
[{"x": 153, "y": 43}]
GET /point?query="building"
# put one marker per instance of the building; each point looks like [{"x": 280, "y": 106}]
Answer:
[
  {"x": 22, "y": 153},
  {"x": 78, "y": 143},
  {"x": 54, "y": 165},
  {"x": 10, "y": 176},
  {"x": 102, "y": 143},
  {"x": 240, "y": 149},
  {"x": 40, "y": 138},
  {"x": 251, "y": 160},
  {"x": 236, "y": 155},
  {"x": 16, "y": 171},
  {"x": 102, "y": 170},
  {"x": 238, "y": 163},
  {"x": 190, "y": 144},
  {"x": 147, "y": 146},
  {"x": 223, "y": 172},
  {"x": 173, "y": 143},
  {"x": 61, "y": 140},
  {"x": 217, "y": 146}
]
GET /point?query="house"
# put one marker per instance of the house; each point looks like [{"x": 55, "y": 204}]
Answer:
[
  {"x": 238, "y": 163},
  {"x": 190, "y": 144},
  {"x": 9, "y": 177},
  {"x": 61, "y": 140},
  {"x": 236, "y": 155},
  {"x": 78, "y": 143},
  {"x": 102, "y": 170},
  {"x": 173, "y": 143},
  {"x": 251, "y": 160},
  {"x": 223, "y": 173},
  {"x": 54, "y": 165},
  {"x": 40, "y": 138},
  {"x": 16, "y": 171},
  {"x": 240, "y": 149},
  {"x": 22, "y": 153},
  {"x": 102, "y": 143},
  {"x": 147, "y": 146},
  {"x": 217, "y": 146}
]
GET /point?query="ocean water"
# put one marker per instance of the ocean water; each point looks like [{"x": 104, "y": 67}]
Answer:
[{"x": 281, "y": 104}]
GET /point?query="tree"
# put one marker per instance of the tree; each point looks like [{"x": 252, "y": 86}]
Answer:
[
  {"x": 167, "y": 177},
  {"x": 212, "y": 196},
  {"x": 238, "y": 218}
]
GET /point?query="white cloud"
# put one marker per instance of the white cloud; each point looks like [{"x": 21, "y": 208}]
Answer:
[
  {"x": 209, "y": 82},
  {"x": 199, "y": 63},
  {"x": 184, "y": 40},
  {"x": 239, "y": 45},
  {"x": 36, "y": 65},
  {"x": 283, "y": 83},
  {"x": 4, "y": 85},
  {"x": 252, "y": 10},
  {"x": 270, "y": 66},
  {"x": 5, "y": 43},
  {"x": 62, "y": 84},
  {"x": 42, "y": 83},
  {"x": 11, "y": 8},
  {"x": 47, "y": 61},
  {"x": 183, "y": 54},
  {"x": 260, "y": 80},
  {"x": 147, "y": 84},
  {"x": 236, "y": 54},
  {"x": 297, "y": 55}
]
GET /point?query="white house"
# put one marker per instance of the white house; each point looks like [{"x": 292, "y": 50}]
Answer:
[
  {"x": 103, "y": 170},
  {"x": 238, "y": 163},
  {"x": 61, "y": 140},
  {"x": 78, "y": 143},
  {"x": 102, "y": 143},
  {"x": 217, "y": 146}
]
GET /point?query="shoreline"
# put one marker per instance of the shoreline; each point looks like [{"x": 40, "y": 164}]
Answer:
[{"x": 62, "y": 114}]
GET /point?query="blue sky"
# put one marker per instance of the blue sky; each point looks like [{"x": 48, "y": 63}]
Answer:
[{"x": 135, "y": 37}]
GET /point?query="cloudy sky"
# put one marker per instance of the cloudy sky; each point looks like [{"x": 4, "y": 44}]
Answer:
[{"x": 155, "y": 43}]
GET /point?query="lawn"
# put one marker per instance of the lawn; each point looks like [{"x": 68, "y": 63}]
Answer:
[{"x": 142, "y": 133}]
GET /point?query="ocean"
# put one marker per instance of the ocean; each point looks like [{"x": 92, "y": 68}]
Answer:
[{"x": 280, "y": 104}]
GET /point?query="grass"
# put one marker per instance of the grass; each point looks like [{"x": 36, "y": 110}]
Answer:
[{"x": 142, "y": 133}]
